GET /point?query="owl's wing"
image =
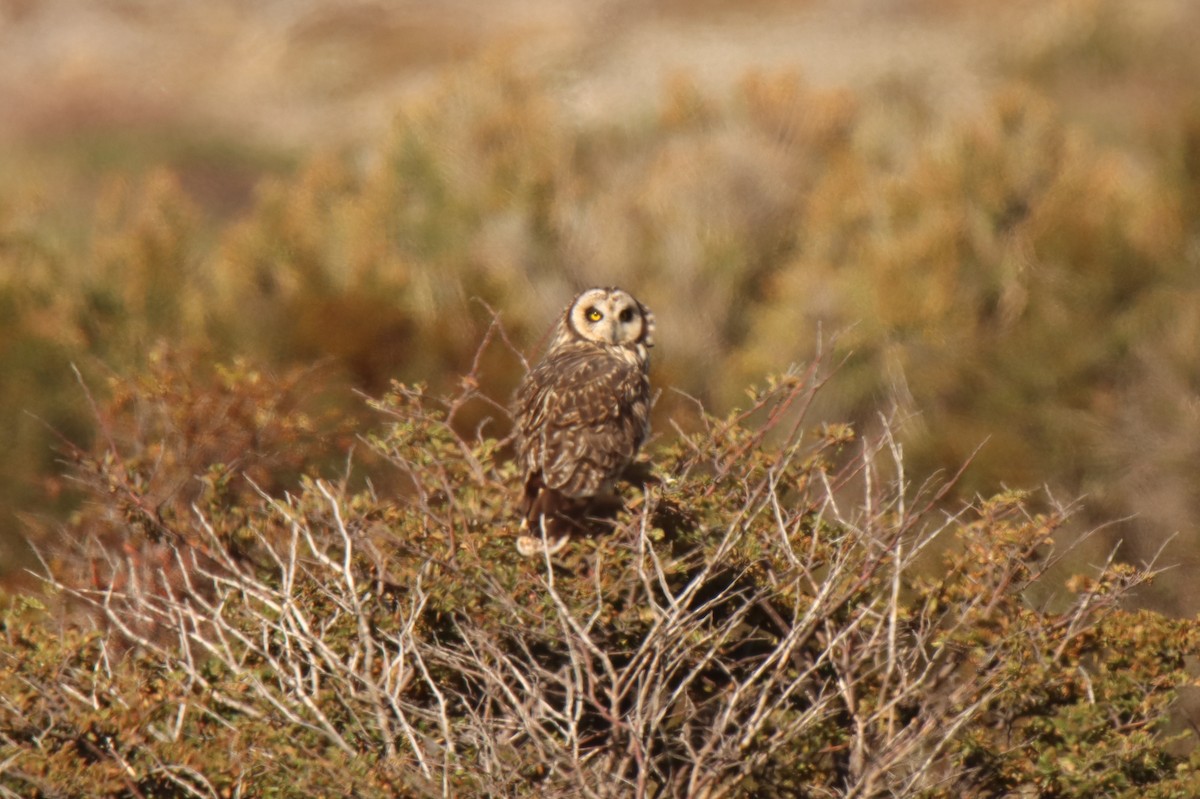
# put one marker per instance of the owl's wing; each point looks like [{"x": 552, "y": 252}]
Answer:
[{"x": 582, "y": 417}]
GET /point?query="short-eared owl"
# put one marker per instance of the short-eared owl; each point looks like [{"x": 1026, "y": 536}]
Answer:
[{"x": 583, "y": 411}]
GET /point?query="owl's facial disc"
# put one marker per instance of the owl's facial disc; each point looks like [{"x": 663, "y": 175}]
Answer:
[
  {"x": 608, "y": 316},
  {"x": 627, "y": 324}
]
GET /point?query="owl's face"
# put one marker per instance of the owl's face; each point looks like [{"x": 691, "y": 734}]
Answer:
[{"x": 611, "y": 316}]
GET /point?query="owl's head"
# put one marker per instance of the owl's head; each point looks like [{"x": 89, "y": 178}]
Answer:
[{"x": 611, "y": 317}]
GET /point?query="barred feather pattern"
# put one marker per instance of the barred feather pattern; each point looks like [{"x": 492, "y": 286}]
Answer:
[{"x": 583, "y": 411}]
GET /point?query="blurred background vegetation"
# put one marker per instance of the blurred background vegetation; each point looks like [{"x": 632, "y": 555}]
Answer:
[{"x": 990, "y": 211}]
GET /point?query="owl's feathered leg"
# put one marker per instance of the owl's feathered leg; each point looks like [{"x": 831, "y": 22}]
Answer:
[{"x": 545, "y": 514}]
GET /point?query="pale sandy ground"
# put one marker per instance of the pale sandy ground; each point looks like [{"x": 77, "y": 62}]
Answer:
[
  {"x": 290, "y": 74},
  {"x": 300, "y": 72}
]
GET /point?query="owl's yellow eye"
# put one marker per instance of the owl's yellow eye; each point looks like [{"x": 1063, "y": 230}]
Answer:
[{"x": 593, "y": 315}]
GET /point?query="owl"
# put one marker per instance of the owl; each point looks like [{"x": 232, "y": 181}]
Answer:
[{"x": 582, "y": 412}]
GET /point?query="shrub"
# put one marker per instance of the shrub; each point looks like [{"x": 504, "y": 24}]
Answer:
[{"x": 769, "y": 615}]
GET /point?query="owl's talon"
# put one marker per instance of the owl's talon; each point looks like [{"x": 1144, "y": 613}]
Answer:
[{"x": 528, "y": 546}]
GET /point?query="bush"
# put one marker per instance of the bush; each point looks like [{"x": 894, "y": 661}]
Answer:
[{"x": 779, "y": 611}]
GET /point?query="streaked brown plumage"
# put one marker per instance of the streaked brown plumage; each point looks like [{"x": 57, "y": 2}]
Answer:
[{"x": 583, "y": 411}]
